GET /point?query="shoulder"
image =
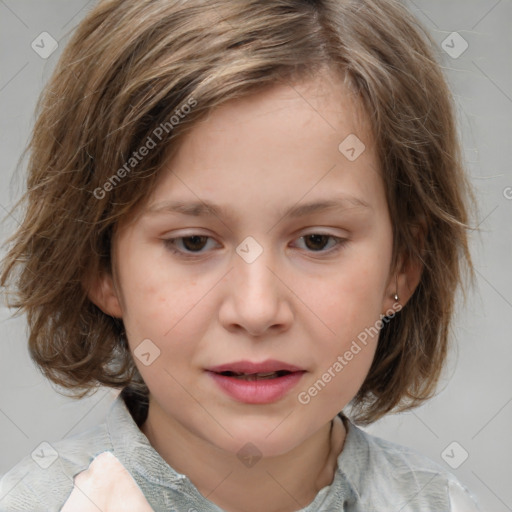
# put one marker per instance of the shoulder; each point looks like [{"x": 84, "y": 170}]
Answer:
[
  {"x": 383, "y": 472},
  {"x": 44, "y": 479}
]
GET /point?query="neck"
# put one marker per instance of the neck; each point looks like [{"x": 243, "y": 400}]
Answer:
[{"x": 274, "y": 484}]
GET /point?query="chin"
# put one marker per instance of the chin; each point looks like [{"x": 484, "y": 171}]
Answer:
[{"x": 268, "y": 439}]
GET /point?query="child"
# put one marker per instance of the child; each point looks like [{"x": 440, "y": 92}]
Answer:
[{"x": 187, "y": 161}]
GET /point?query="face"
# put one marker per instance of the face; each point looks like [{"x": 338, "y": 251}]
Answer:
[{"x": 260, "y": 277}]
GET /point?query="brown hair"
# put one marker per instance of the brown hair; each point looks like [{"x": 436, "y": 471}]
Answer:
[{"x": 133, "y": 66}]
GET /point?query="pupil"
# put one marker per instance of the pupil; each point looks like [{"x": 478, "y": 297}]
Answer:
[
  {"x": 316, "y": 239},
  {"x": 193, "y": 246}
]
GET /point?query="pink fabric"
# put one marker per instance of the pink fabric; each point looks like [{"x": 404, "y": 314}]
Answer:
[{"x": 107, "y": 486}]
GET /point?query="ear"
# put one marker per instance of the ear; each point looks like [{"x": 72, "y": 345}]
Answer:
[
  {"x": 407, "y": 275},
  {"x": 102, "y": 292}
]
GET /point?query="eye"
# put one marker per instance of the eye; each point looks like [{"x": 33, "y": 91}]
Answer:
[
  {"x": 316, "y": 242},
  {"x": 194, "y": 244}
]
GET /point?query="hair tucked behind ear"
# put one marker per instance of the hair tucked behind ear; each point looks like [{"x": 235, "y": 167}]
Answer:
[{"x": 132, "y": 65}]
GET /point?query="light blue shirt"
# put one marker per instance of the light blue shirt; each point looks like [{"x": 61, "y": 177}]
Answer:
[{"x": 373, "y": 475}]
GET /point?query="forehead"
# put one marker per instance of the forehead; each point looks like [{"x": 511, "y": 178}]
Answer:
[
  {"x": 276, "y": 146},
  {"x": 315, "y": 105}
]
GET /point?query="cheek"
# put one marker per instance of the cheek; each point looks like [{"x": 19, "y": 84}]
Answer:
[
  {"x": 154, "y": 290},
  {"x": 350, "y": 298},
  {"x": 349, "y": 303},
  {"x": 158, "y": 301},
  {"x": 344, "y": 358}
]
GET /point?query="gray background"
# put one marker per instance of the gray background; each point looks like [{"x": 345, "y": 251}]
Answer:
[{"x": 474, "y": 405}]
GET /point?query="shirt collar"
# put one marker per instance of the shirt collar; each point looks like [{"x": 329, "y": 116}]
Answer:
[{"x": 135, "y": 452}]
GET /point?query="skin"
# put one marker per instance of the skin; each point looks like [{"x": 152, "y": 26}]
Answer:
[{"x": 300, "y": 301}]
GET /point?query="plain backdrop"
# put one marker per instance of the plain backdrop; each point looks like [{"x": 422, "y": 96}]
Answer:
[{"x": 471, "y": 417}]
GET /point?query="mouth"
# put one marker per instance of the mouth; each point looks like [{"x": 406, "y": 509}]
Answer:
[
  {"x": 249, "y": 370},
  {"x": 255, "y": 376},
  {"x": 256, "y": 383}
]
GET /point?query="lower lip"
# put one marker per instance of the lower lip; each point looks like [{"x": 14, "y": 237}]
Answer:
[{"x": 263, "y": 391}]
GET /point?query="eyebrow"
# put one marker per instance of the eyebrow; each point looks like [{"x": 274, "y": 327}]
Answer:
[{"x": 206, "y": 209}]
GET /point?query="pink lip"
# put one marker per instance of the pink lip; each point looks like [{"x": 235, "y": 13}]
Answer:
[{"x": 258, "y": 391}]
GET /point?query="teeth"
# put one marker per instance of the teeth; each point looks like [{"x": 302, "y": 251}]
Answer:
[
  {"x": 258, "y": 376},
  {"x": 255, "y": 376}
]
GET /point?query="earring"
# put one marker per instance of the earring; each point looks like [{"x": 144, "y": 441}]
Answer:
[{"x": 396, "y": 298}]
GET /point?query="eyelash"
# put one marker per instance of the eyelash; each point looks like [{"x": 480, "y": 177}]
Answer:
[{"x": 171, "y": 245}]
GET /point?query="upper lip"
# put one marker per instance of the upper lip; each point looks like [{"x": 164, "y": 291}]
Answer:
[{"x": 250, "y": 367}]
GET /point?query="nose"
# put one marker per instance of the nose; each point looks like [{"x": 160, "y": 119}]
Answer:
[{"x": 257, "y": 299}]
